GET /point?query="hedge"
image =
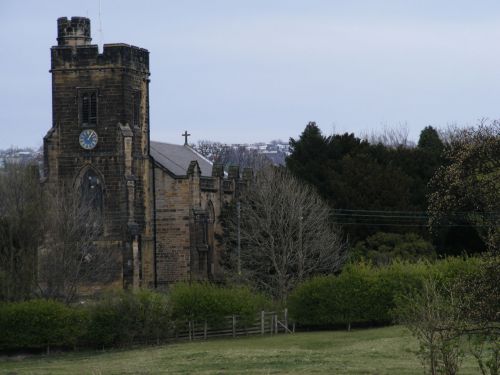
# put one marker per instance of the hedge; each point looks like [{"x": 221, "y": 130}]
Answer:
[
  {"x": 120, "y": 318},
  {"x": 40, "y": 324},
  {"x": 123, "y": 318},
  {"x": 362, "y": 294},
  {"x": 116, "y": 319},
  {"x": 207, "y": 302}
]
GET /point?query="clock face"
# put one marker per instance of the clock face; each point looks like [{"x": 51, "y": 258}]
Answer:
[{"x": 88, "y": 139}]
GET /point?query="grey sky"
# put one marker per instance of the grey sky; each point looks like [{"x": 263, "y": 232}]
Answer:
[{"x": 244, "y": 71}]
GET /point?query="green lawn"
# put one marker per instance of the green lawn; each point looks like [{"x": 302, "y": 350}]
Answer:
[{"x": 378, "y": 351}]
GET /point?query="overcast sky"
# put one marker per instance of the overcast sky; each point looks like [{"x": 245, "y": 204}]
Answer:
[{"x": 246, "y": 71}]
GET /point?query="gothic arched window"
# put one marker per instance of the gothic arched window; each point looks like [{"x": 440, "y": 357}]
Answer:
[
  {"x": 210, "y": 238},
  {"x": 92, "y": 190},
  {"x": 210, "y": 212}
]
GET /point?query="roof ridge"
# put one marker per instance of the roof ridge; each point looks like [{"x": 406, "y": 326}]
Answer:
[
  {"x": 176, "y": 158},
  {"x": 167, "y": 143},
  {"x": 200, "y": 155},
  {"x": 166, "y": 157}
]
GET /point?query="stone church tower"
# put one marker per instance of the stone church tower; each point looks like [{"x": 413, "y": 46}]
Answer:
[{"x": 159, "y": 202}]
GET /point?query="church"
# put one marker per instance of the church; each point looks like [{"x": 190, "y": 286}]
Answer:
[{"x": 160, "y": 203}]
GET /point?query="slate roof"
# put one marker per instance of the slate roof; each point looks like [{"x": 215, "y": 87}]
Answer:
[{"x": 176, "y": 158}]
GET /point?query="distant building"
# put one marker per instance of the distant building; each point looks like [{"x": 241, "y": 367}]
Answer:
[{"x": 18, "y": 156}]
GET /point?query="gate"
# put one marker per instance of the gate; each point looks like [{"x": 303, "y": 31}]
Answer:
[{"x": 266, "y": 322}]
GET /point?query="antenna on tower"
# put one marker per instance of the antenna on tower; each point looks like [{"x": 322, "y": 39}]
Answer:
[{"x": 101, "y": 36}]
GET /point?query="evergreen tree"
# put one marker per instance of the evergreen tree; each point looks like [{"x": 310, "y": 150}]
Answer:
[
  {"x": 352, "y": 175},
  {"x": 429, "y": 140},
  {"x": 308, "y": 153}
]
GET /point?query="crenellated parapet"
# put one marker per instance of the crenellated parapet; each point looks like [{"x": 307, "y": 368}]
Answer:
[
  {"x": 234, "y": 172},
  {"x": 88, "y": 56},
  {"x": 74, "y": 51},
  {"x": 218, "y": 170},
  {"x": 73, "y": 32}
]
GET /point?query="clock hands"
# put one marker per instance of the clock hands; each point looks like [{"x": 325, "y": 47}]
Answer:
[{"x": 88, "y": 139}]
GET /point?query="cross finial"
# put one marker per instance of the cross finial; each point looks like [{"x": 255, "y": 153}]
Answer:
[{"x": 185, "y": 135}]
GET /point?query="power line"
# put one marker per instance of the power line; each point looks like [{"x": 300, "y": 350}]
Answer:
[
  {"x": 413, "y": 225},
  {"x": 390, "y": 216},
  {"x": 398, "y": 218},
  {"x": 341, "y": 210}
]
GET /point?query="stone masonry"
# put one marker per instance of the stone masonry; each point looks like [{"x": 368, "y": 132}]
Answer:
[{"x": 159, "y": 223}]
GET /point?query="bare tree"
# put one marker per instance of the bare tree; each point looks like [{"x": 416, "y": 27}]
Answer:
[
  {"x": 433, "y": 317},
  {"x": 392, "y": 137},
  {"x": 480, "y": 305},
  {"x": 450, "y": 133},
  {"x": 70, "y": 257},
  {"x": 232, "y": 155},
  {"x": 443, "y": 316},
  {"x": 214, "y": 151},
  {"x": 246, "y": 158},
  {"x": 286, "y": 235},
  {"x": 20, "y": 229}
]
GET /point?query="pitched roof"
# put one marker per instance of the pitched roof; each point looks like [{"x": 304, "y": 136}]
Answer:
[{"x": 176, "y": 158}]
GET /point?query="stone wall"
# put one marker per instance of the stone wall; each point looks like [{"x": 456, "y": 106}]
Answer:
[
  {"x": 173, "y": 209},
  {"x": 178, "y": 200}
]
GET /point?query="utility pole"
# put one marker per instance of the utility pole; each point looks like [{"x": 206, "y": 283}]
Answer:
[
  {"x": 300, "y": 232},
  {"x": 301, "y": 246},
  {"x": 238, "y": 250}
]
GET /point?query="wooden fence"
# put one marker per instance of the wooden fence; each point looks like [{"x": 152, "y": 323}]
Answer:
[{"x": 266, "y": 322}]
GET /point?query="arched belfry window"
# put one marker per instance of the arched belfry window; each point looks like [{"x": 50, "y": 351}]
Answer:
[
  {"x": 91, "y": 188},
  {"x": 88, "y": 107}
]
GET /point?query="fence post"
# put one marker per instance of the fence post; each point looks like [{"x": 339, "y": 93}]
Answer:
[
  {"x": 262, "y": 317},
  {"x": 234, "y": 326},
  {"x": 286, "y": 320},
  {"x": 276, "y": 323},
  {"x": 272, "y": 323},
  {"x": 190, "y": 330},
  {"x": 205, "y": 330}
]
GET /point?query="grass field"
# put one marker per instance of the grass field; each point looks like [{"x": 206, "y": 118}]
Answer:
[{"x": 378, "y": 351}]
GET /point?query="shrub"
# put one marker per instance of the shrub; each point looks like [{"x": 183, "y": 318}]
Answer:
[
  {"x": 383, "y": 248},
  {"x": 122, "y": 318},
  {"x": 207, "y": 302},
  {"x": 400, "y": 278},
  {"x": 333, "y": 300},
  {"x": 40, "y": 324},
  {"x": 450, "y": 269},
  {"x": 433, "y": 317},
  {"x": 366, "y": 294}
]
